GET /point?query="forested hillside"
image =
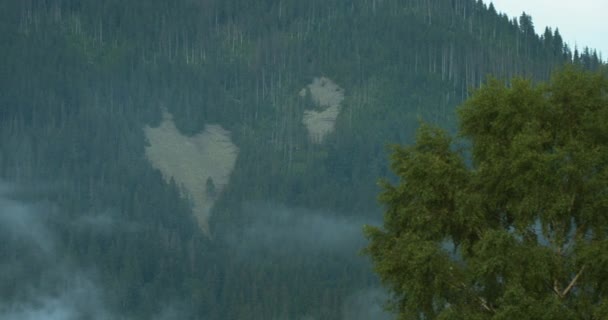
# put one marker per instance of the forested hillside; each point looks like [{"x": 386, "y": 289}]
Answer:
[{"x": 84, "y": 209}]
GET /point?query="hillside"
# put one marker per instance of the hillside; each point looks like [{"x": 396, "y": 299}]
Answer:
[{"x": 288, "y": 106}]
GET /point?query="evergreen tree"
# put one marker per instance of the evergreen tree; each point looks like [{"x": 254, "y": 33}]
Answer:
[{"x": 80, "y": 79}]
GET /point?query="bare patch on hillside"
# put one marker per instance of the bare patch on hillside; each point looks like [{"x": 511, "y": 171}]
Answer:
[
  {"x": 200, "y": 165},
  {"x": 327, "y": 96}
]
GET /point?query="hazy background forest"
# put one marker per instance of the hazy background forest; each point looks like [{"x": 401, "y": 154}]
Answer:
[{"x": 92, "y": 228}]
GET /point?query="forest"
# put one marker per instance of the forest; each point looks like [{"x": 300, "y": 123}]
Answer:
[{"x": 102, "y": 101}]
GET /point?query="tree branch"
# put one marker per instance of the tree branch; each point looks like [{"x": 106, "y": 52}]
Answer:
[
  {"x": 572, "y": 283},
  {"x": 556, "y": 288},
  {"x": 482, "y": 301},
  {"x": 485, "y": 305}
]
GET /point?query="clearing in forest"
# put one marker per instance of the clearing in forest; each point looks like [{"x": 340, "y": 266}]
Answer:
[
  {"x": 200, "y": 165},
  {"x": 327, "y": 97}
]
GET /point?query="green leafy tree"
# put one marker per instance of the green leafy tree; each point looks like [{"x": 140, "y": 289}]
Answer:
[{"x": 513, "y": 222}]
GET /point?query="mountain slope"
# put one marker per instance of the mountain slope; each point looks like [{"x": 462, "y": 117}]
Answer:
[{"x": 82, "y": 79}]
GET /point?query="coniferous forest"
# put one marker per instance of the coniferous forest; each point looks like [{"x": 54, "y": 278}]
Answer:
[{"x": 90, "y": 229}]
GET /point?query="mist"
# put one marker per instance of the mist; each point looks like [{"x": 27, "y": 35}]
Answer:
[
  {"x": 280, "y": 230},
  {"x": 37, "y": 271},
  {"x": 42, "y": 282},
  {"x": 366, "y": 304},
  {"x": 276, "y": 232}
]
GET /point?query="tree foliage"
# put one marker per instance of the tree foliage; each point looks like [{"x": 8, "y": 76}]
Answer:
[
  {"x": 79, "y": 79},
  {"x": 510, "y": 222}
]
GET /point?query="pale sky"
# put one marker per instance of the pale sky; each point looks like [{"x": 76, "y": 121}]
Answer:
[{"x": 580, "y": 22}]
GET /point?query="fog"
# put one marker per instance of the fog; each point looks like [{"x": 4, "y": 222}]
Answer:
[
  {"x": 278, "y": 232},
  {"x": 367, "y": 304},
  {"x": 42, "y": 281},
  {"x": 45, "y": 283},
  {"x": 47, "y": 286},
  {"x": 106, "y": 222}
]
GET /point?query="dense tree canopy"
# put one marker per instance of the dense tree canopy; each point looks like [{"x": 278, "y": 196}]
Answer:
[
  {"x": 511, "y": 222},
  {"x": 81, "y": 79}
]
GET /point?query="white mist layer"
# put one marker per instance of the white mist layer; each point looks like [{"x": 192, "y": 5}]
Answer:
[{"x": 193, "y": 161}]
